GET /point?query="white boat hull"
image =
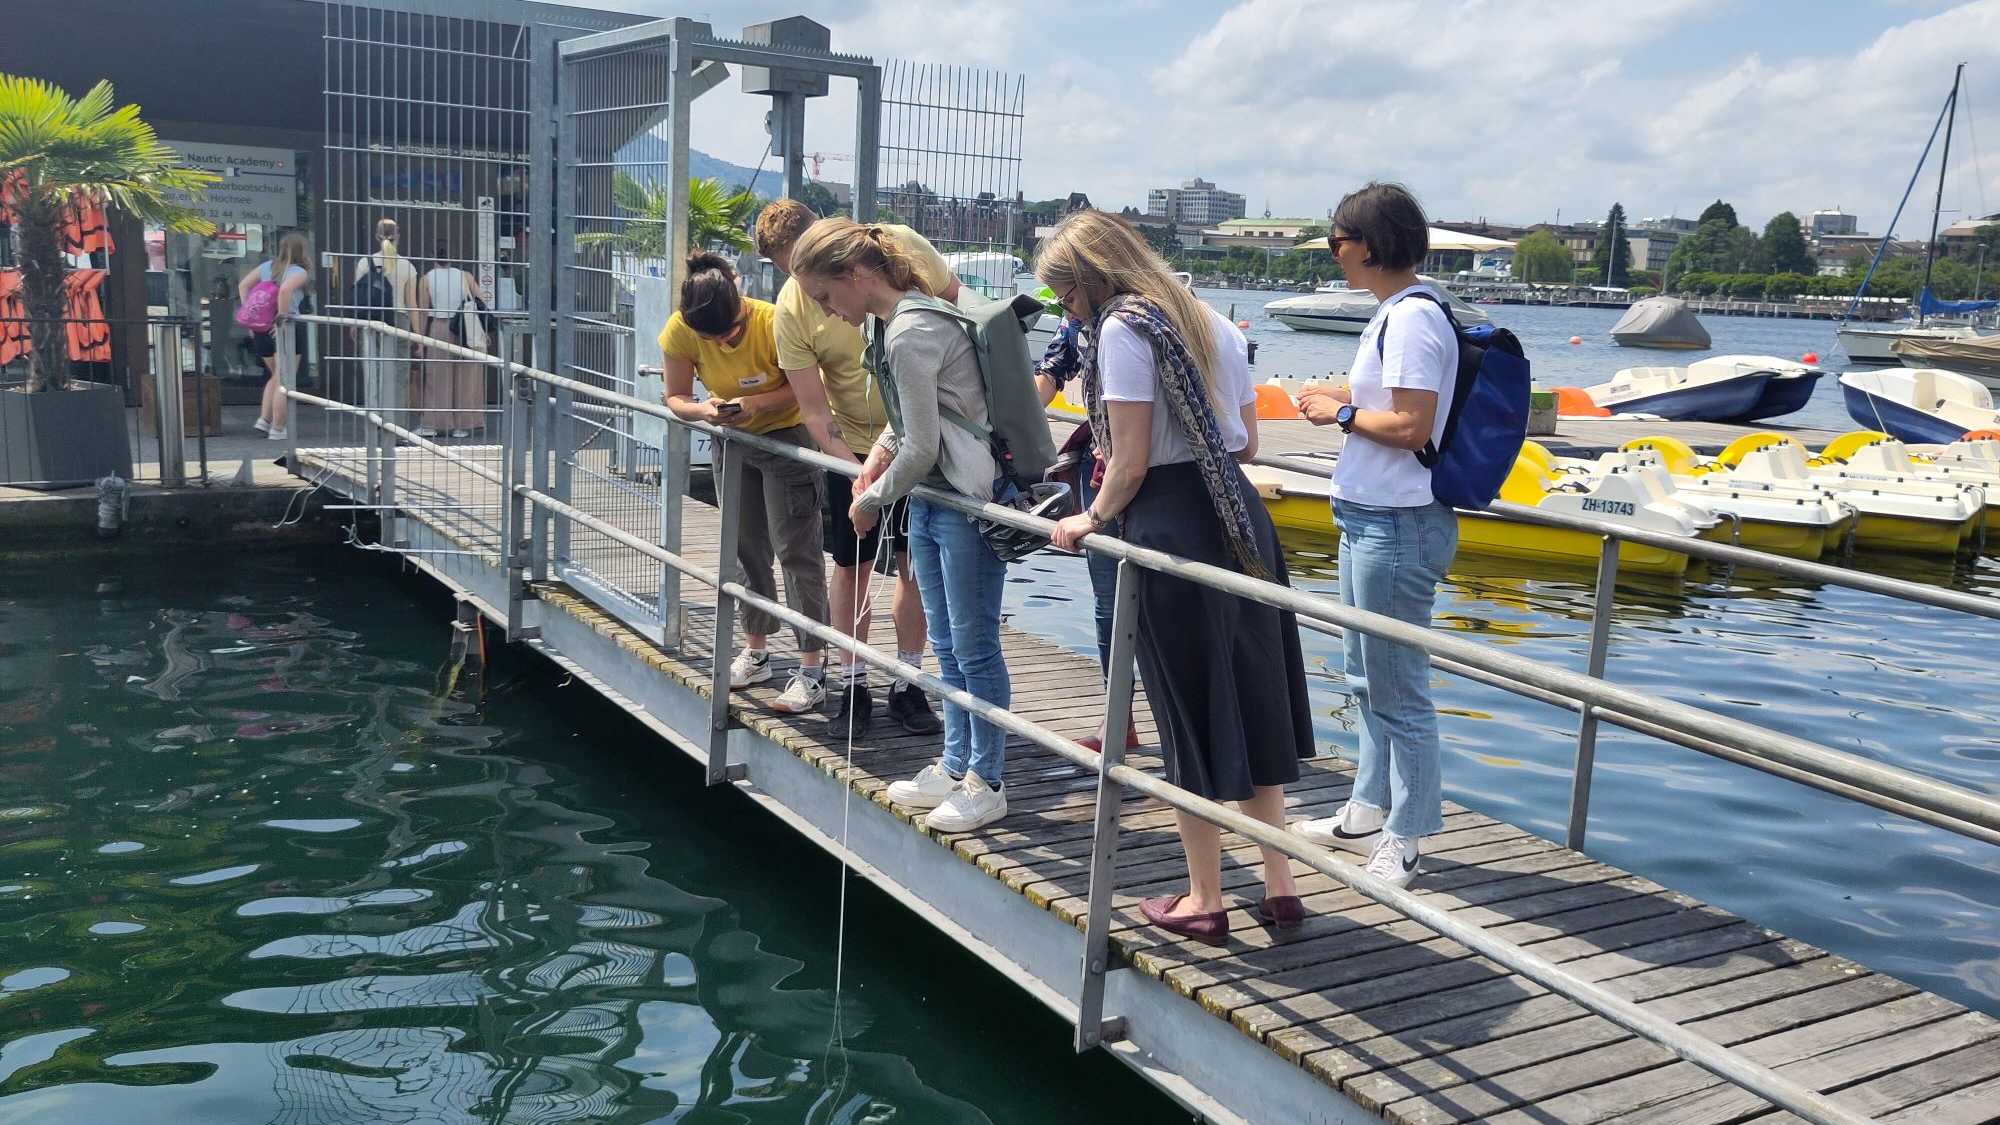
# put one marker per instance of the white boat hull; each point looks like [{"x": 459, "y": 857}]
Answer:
[{"x": 1877, "y": 345}]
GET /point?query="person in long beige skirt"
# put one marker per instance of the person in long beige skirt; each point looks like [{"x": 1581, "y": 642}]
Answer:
[{"x": 450, "y": 392}]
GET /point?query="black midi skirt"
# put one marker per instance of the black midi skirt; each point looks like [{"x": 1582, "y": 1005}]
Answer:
[{"x": 1223, "y": 675}]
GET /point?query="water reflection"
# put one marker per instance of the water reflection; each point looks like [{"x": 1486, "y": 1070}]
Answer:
[{"x": 255, "y": 870}]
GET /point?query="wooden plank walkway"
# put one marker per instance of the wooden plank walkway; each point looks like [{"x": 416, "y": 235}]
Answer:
[{"x": 1406, "y": 1024}]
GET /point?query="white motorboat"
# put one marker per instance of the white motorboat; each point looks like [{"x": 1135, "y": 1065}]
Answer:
[
  {"x": 1919, "y": 404},
  {"x": 1336, "y": 308}
]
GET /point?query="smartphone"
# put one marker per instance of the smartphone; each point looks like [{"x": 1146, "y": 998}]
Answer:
[{"x": 729, "y": 409}]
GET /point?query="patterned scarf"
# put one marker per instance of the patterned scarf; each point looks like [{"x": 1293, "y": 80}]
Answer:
[{"x": 1183, "y": 392}]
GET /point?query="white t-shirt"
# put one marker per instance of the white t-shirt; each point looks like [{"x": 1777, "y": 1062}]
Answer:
[
  {"x": 1420, "y": 353},
  {"x": 447, "y": 290},
  {"x": 1126, "y": 373}
]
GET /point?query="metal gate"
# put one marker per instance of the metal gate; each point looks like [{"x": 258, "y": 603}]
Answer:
[
  {"x": 951, "y": 165},
  {"x": 625, "y": 101}
]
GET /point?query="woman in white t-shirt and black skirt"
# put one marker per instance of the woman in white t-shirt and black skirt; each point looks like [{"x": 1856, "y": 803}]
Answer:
[
  {"x": 1396, "y": 539},
  {"x": 1167, "y": 384}
]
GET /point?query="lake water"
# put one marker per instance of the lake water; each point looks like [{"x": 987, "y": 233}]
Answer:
[{"x": 260, "y": 860}]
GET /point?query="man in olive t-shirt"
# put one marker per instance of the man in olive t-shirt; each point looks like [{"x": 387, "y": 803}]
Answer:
[{"x": 821, "y": 357}]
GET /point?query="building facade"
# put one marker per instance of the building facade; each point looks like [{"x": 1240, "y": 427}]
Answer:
[
  {"x": 1831, "y": 220},
  {"x": 1195, "y": 203}
]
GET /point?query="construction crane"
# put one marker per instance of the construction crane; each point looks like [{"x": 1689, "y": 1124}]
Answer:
[{"x": 818, "y": 157}]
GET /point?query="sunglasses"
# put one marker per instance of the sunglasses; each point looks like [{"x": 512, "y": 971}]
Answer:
[{"x": 1333, "y": 240}]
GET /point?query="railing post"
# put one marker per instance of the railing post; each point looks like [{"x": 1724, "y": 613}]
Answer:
[
  {"x": 288, "y": 381},
  {"x": 674, "y": 460},
  {"x": 391, "y": 528},
  {"x": 1586, "y": 728},
  {"x": 167, "y": 420},
  {"x": 728, "y": 491},
  {"x": 541, "y": 425},
  {"x": 516, "y": 550},
  {"x": 1092, "y": 1029},
  {"x": 564, "y": 430}
]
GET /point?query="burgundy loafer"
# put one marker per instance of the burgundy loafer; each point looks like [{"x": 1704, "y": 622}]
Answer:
[
  {"x": 1095, "y": 744},
  {"x": 1282, "y": 911},
  {"x": 1210, "y": 929}
]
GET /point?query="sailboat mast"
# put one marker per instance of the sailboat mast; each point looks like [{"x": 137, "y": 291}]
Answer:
[{"x": 1944, "y": 162}]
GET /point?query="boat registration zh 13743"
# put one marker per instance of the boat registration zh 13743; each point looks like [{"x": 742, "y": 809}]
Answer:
[{"x": 1610, "y": 507}]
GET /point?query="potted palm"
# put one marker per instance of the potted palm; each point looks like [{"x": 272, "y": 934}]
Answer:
[{"x": 59, "y": 154}]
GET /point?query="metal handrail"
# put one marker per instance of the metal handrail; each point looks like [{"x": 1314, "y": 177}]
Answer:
[
  {"x": 1901, "y": 589},
  {"x": 1977, "y": 815}
]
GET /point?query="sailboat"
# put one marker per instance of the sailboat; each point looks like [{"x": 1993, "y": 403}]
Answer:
[{"x": 1881, "y": 343}]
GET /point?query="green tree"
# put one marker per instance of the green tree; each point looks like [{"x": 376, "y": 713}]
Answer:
[
  {"x": 715, "y": 214},
  {"x": 1539, "y": 258},
  {"x": 1718, "y": 210},
  {"x": 1614, "y": 252},
  {"x": 1588, "y": 275},
  {"x": 1715, "y": 247},
  {"x": 1783, "y": 246},
  {"x": 59, "y": 153},
  {"x": 1165, "y": 240},
  {"x": 815, "y": 196}
]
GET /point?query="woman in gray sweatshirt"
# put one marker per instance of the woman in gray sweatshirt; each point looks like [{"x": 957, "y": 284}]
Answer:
[{"x": 928, "y": 369}]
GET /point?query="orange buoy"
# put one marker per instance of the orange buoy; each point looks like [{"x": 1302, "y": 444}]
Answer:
[
  {"x": 1576, "y": 340},
  {"x": 1981, "y": 435},
  {"x": 1809, "y": 357},
  {"x": 1242, "y": 324}
]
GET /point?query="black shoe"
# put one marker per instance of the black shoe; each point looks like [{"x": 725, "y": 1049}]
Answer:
[
  {"x": 854, "y": 698},
  {"x": 908, "y": 706}
]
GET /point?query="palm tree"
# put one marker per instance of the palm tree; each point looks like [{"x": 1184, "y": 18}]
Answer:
[
  {"x": 714, "y": 215},
  {"x": 59, "y": 153}
]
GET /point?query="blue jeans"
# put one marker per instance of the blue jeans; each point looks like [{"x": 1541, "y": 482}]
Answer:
[
  {"x": 1391, "y": 560},
  {"x": 961, "y": 581},
  {"x": 1103, "y": 576}
]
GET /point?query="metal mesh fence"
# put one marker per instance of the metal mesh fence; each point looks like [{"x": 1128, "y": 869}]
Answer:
[
  {"x": 424, "y": 227},
  {"x": 951, "y": 165}
]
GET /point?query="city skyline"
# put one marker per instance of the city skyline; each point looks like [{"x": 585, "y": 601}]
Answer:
[{"x": 1782, "y": 106}]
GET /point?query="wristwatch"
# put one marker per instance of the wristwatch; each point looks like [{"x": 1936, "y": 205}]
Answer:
[
  {"x": 1097, "y": 522},
  {"x": 1344, "y": 417}
]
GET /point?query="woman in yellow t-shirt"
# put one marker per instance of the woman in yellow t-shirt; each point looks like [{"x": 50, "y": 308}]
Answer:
[{"x": 724, "y": 339}]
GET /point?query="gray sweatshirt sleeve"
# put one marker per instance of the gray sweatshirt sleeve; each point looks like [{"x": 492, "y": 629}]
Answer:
[{"x": 918, "y": 347}]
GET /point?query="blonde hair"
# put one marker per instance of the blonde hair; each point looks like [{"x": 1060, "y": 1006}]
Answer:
[
  {"x": 293, "y": 250},
  {"x": 1101, "y": 253},
  {"x": 836, "y": 247},
  {"x": 385, "y": 235}
]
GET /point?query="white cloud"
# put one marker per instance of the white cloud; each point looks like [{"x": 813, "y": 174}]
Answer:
[{"x": 1511, "y": 109}]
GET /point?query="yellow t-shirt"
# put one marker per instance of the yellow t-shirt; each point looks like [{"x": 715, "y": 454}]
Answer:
[
  {"x": 749, "y": 368},
  {"x": 808, "y": 336}
]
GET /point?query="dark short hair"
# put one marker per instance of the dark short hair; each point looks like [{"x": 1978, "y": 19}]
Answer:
[
  {"x": 1389, "y": 221},
  {"x": 710, "y": 303}
]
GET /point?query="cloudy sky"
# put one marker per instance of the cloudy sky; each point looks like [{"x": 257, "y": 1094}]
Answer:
[{"x": 1514, "y": 110}]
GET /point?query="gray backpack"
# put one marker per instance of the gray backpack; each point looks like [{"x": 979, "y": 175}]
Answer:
[{"x": 1018, "y": 430}]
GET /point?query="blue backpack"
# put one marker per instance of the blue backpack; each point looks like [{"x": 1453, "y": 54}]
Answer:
[{"x": 1488, "y": 419}]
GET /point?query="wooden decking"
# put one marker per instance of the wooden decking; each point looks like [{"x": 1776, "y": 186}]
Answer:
[{"x": 1398, "y": 1021}]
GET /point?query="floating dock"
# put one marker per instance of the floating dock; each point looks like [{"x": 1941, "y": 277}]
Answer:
[{"x": 1360, "y": 1013}]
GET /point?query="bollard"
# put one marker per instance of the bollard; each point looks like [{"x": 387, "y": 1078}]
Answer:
[{"x": 114, "y": 503}]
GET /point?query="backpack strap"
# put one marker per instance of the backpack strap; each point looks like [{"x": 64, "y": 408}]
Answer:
[
  {"x": 1430, "y": 453},
  {"x": 945, "y": 308}
]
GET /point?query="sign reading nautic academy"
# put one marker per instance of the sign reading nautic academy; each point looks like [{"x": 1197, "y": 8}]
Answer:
[{"x": 259, "y": 185}]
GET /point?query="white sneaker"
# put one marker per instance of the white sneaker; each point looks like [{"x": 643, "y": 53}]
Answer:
[
  {"x": 751, "y": 666},
  {"x": 261, "y": 426},
  {"x": 802, "y": 694},
  {"x": 461, "y": 433},
  {"x": 1355, "y": 828},
  {"x": 1395, "y": 860},
  {"x": 275, "y": 433},
  {"x": 974, "y": 804},
  {"x": 927, "y": 790}
]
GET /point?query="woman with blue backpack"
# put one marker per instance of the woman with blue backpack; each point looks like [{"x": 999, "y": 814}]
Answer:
[{"x": 1396, "y": 537}]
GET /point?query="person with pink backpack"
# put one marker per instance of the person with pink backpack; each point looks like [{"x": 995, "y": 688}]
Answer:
[{"x": 276, "y": 284}]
